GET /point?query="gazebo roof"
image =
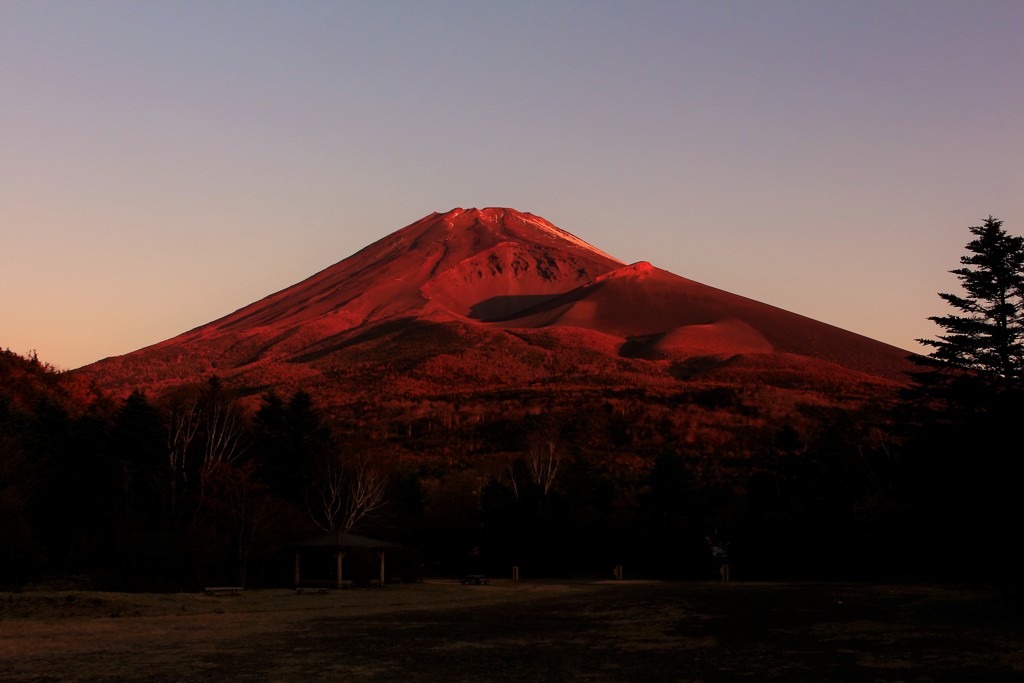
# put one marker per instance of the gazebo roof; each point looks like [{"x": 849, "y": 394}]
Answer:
[{"x": 343, "y": 540}]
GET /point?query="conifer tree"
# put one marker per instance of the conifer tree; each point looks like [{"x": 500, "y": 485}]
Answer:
[
  {"x": 986, "y": 335},
  {"x": 963, "y": 471}
]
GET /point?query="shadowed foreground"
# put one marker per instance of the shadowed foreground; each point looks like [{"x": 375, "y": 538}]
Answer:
[{"x": 527, "y": 631}]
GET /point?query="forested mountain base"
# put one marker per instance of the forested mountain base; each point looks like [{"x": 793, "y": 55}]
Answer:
[{"x": 207, "y": 486}]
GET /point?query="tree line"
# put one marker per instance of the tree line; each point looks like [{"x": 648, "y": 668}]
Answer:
[
  {"x": 182, "y": 492},
  {"x": 204, "y": 485}
]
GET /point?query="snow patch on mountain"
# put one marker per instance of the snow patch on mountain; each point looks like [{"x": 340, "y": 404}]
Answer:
[{"x": 550, "y": 229}]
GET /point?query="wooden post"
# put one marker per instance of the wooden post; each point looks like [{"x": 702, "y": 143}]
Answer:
[
  {"x": 380, "y": 553},
  {"x": 338, "y": 558},
  {"x": 298, "y": 568},
  {"x": 515, "y": 573}
]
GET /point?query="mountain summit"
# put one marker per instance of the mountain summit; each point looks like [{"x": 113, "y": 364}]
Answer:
[
  {"x": 466, "y": 263},
  {"x": 495, "y": 296}
]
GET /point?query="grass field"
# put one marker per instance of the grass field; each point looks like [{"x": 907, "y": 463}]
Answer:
[{"x": 523, "y": 631}]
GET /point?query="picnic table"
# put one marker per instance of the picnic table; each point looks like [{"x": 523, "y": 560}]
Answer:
[
  {"x": 474, "y": 580},
  {"x": 223, "y": 590}
]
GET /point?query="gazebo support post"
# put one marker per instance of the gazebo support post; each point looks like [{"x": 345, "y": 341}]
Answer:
[
  {"x": 298, "y": 568},
  {"x": 339, "y": 556}
]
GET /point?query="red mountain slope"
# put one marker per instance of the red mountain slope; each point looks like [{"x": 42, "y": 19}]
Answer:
[
  {"x": 440, "y": 267},
  {"x": 469, "y": 292},
  {"x": 661, "y": 316}
]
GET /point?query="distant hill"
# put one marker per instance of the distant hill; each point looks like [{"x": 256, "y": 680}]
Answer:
[{"x": 26, "y": 382}]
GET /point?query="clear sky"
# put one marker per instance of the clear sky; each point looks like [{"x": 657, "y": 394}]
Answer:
[{"x": 165, "y": 163}]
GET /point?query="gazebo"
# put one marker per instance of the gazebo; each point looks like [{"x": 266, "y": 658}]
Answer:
[{"x": 339, "y": 545}]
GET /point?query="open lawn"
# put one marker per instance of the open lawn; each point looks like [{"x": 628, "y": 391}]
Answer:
[{"x": 530, "y": 631}]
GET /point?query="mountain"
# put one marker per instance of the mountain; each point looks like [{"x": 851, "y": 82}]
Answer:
[{"x": 494, "y": 299}]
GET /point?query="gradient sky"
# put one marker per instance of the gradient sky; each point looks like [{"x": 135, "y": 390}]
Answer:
[{"x": 165, "y": 163}]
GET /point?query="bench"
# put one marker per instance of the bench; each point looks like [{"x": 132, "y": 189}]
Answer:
[
  {"x": 474, "y": 580},
  {"x": 223, "y": 590}
]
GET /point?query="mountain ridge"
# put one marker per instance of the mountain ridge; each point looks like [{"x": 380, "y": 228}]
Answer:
[{"x": 497, "y": 271}]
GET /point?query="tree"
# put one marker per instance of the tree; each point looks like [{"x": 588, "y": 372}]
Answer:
[
  {"x": 243, "y": 510},
  {"x": 291, "y": 442},
  {"x": 224, "y": 430},
  {"x": 963, "y": 490},
  {"x": 537, "y": 469},
  {"x": 182, "y": 420},
  {"x": 138, "y": 435},
  {"x": 343, "y": 497},
  {"x": 987, "y": 336}
]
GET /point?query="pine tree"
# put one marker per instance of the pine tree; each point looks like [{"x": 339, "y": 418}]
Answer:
[
  {"x": 987, "y": 335},
  {"x": 962, "y": 466}
]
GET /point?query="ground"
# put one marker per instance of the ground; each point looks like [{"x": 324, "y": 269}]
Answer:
[{"x": 505, "y": 631}]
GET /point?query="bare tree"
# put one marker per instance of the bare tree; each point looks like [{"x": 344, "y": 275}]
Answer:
[
  {"x": 206, "y": 432},
  {"x": 225, "y": 432},
  {"x": 537, "y": 469},
  {"x": 345, "y": 496},
  {"x": 207, "y": 420},
  {"x": 326, "y": 499},
  {"x": 365, "y": 494},
  {"x": 513, "y": 477},
  {"x": 542, "y": 463},
  {"x": 183, "y": 420}
]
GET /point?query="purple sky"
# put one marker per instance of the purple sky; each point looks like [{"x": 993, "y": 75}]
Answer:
[{"x": 165, "y": 163}]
